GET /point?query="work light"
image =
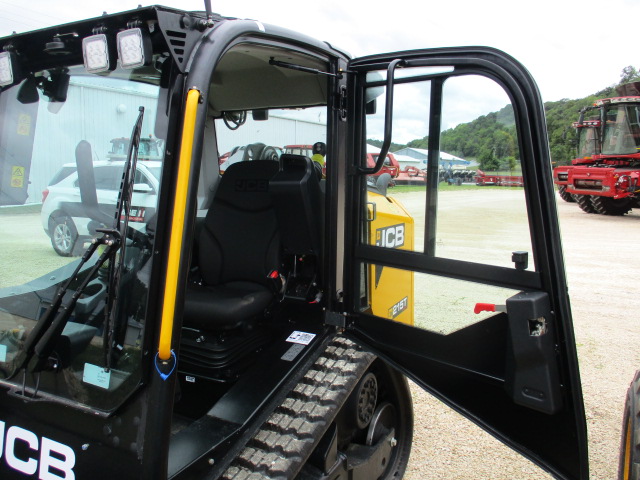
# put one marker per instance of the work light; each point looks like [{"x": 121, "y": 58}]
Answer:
[
  {"x": 6, "y": 69},
  {"x": 95, "y": 50},
  {"x": 134, "y": 48}
]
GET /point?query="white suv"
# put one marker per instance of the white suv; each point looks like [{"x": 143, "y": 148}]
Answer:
[{"x": 63, "y": 217}]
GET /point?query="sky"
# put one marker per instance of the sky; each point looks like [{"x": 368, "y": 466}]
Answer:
[
  {"x": 570, "y": 46},
  {"x": 573, "y": 48}
]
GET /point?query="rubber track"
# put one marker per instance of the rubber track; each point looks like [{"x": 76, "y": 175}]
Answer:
[{"x": 287, "y": 438}]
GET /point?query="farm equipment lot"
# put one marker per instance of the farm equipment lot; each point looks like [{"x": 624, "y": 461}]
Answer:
[{"x": 602, "y": 277}]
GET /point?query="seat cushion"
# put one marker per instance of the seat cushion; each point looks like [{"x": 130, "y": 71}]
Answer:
[{"x": 225, "y": 306}]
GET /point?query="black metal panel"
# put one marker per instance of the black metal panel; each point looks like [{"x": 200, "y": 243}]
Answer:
[
  {"x": 91, "y": 438},
  {"x": 461, "y": 270},
  {"x": 465, "y": 370}
]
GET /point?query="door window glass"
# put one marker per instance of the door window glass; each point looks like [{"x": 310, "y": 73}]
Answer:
[
  {"x": 473, "y": 208},
  {"x": 431, "y": 302}
]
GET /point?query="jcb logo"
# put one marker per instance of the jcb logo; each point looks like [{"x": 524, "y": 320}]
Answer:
[
  {"x": 399, "y": 307},
  {"x": 390, "y": 237},
  {"x": 252, "y": 185},
  {"x": 25, "y": 452}
]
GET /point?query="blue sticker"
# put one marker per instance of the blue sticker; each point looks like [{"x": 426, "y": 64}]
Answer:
[
  {"x": 3, "y": 353},
  {"x": 95, "y": 375}
]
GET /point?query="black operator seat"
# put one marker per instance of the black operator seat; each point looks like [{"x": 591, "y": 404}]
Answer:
[
  {"x": 298, "y": 201},
  {"x": 238, "y": 246}
]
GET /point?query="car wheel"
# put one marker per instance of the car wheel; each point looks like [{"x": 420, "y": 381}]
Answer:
[{"x": 63, "y": 235}]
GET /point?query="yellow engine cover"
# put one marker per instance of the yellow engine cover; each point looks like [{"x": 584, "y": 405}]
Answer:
[{"x": 390, "y": 289}]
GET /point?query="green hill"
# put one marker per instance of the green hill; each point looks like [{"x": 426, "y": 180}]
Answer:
[{"x": 491, "y": 139}]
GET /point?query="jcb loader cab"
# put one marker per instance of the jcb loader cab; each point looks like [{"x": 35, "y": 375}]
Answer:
[{"x": 262, "y": 322}]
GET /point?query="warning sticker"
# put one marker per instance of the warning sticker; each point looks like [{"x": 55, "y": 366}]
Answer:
[
  {"x": 302, "y": 338},
  {"x": 96, "y": 375},
  {"x": 17, "y": 176},
  {"x": 24, "y": 124},
  {"x": 292, "y": 353}
]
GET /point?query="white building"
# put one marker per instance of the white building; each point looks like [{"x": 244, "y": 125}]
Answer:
[{"x": 417, "y": 157}]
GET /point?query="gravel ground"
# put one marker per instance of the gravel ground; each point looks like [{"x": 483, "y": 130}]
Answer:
[{"x": 602, "y": 275}]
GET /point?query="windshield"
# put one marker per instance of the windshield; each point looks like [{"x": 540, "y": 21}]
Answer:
[
  {"x": 587, "y": 141},
  {"x": 622, "y": 130},
  {"x": 50, "y": 210}
]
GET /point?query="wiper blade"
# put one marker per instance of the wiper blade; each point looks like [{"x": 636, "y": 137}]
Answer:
[{"x": 120, "y": 224}]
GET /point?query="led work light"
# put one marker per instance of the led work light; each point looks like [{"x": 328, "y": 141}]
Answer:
[
  {"x": 95, "y": 50},
  {"x": 134, "y": 48},
  {"x": 6, "y": 69}
]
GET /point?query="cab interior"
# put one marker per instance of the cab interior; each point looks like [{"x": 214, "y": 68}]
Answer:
[{"x": 255, "y": 275}]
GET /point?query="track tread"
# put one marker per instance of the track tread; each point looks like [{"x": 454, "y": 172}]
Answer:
[{"x": 283, "y": 443}]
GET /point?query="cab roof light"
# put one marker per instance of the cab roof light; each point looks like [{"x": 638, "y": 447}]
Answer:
[
  {"x": 6, "y": 69},
  {"x": 134, "y": 48},
  {"x": 98, "y": 55}
]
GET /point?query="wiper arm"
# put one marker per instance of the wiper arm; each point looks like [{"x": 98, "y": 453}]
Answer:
[
  {"x": 35, "y": 339},
  {"x": 120, "y": 225},
  {"x": 49, "y": 338}
]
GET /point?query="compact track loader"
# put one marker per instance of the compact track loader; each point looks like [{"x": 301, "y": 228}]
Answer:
[{"x": 263, "y": 322}]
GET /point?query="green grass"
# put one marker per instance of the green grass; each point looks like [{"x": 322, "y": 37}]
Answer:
[
  {"x": 444, "y": 187},
  {"x": 21, "y": 209}
]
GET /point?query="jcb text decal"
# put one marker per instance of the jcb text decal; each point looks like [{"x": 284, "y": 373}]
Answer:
[
  {"x": 43, "y": 456},
  {"x": 391, "y": 236}
]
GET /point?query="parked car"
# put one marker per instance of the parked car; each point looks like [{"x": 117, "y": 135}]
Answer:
[{"x": 62, "y": 215}]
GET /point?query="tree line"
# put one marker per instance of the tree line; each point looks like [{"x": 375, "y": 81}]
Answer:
[{"x": 491, "y": 139}]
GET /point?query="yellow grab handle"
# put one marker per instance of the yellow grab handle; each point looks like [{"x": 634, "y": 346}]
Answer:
[{"x": 177, "y": 225}]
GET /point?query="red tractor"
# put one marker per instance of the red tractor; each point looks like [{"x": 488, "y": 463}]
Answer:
[{"x": 604, "y": 177}]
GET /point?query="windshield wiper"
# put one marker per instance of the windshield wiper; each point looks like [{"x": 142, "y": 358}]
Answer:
[
  {"x": 52, "y": 322},
  {"x": 120, "y": 225},
  {"x": 43, "y": 338}
]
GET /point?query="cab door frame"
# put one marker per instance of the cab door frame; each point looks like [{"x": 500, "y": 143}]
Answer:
[{"x": 554, "y": 439}]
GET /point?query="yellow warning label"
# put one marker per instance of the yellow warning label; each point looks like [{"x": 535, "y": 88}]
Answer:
[
  {"x": 24, "y": 124},
  {"x": 17, "y": 176}
]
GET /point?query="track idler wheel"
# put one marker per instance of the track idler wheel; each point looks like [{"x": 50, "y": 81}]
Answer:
[{"x": 362, "y": 403}]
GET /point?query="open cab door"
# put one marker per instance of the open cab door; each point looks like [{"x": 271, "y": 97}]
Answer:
[{"x": 462, "y": 287}]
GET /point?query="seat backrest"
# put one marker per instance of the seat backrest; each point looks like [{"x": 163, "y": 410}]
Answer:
[
  {"x": 298, "y": 201},
  {"x": 239, "y": 240}
]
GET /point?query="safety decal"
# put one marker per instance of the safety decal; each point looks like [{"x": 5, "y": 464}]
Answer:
[
  {"x": 97, "y": 376},
  {"x": 24, "y": 124},
  {"x": 17, "y": 176},
  {"x": 292, "y": 353},
  {"x": 303, "y": 338}
]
